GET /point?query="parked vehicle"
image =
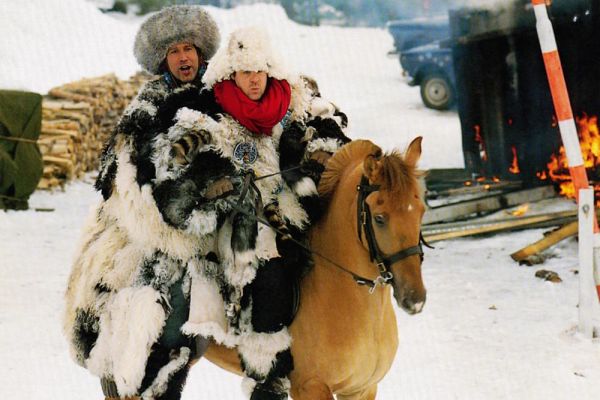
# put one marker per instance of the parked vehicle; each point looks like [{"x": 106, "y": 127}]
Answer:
[
  {"x": 422, "y": 57},
  {"x": 411, "y": 33},
  {"x": 430, "y": 66}
]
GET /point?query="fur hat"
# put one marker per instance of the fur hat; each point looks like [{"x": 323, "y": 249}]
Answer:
[
  {"x": 248, "y": 49},
  {"x": 171, "y": 25}
]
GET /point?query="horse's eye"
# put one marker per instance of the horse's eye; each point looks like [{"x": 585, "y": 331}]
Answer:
[{"x": 379, "y": 219}]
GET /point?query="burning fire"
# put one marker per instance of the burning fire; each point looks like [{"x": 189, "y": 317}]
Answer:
[
  {"x": 483, "y": 181},
  {"x": 479, "y": 140},
  {"x": 589, "y": 141},
  {"x": 521, "y": 210},
  {"x": 514, "y": 168}
]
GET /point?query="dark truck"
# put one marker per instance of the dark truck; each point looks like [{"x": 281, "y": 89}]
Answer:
[
  {"x": 410, "y": 33},
  {"x": 430, "y": 66},
  {"x": 424, "y": 58}
]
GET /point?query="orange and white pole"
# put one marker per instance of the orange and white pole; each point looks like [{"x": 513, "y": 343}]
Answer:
[{"x": 562, "y": 106}]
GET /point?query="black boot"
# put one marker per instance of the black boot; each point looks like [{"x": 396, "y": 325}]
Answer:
[
  {"x": 276, "y": 385},
  {"x": 276, "y": 389}
]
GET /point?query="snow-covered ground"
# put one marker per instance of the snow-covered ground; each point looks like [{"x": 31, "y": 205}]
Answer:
[{"x": 490, "y": 330}]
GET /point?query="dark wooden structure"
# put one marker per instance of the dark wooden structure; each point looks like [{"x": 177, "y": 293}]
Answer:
[{"x": 504, "y": 101}]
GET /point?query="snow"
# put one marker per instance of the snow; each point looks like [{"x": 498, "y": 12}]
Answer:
[{"x": 490, "y": 330}]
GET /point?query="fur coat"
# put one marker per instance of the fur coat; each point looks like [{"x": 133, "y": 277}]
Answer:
[
  {"x": 133, "y": 251},
  {"x": 155, "y": 231}
]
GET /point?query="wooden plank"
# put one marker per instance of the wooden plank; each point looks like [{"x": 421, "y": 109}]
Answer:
[
  {"x": 495, "y": 227},
  {"x": 553, "y": 219},
  {"x": 474, "y": 189},
  {"x": 444, "y": 178},
  {"x": 549, "y": 240},
  {"x": 486, "y": 204}
]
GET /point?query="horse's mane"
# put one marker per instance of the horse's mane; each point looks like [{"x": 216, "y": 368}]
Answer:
[{"x": 398, "y": 176}]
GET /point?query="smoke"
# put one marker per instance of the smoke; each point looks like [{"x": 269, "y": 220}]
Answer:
[{"x": 485, "y": 4}]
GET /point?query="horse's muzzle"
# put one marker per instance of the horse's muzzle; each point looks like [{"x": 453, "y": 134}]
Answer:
[{"x": 410, "y": 301}]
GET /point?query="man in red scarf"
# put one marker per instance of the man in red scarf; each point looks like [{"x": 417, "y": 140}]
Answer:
[
  {"x": 257, "y": 102},
  {"x": 274, "y": 127}
]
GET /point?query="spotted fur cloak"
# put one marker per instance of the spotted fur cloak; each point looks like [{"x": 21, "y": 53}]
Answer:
[
  {"x": 245, "y": 247},
  {"x": 135, "y": 251}
]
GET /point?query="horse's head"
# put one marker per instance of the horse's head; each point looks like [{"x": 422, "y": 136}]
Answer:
[{"x": 396, "y": 208}]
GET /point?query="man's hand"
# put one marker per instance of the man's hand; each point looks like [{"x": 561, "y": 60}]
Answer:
[
  {"x": 219, "y": 188},
  {"x": 320, "y": 156},
  {"x": 184, "y": 149}
]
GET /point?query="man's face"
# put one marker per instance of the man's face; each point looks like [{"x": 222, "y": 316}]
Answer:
[
  {"x": 183, "y": 61},
  {"x": 252, "y": 83}
]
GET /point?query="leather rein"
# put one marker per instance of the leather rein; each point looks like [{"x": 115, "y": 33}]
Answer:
[
  {"x": 364, "y": 222},
  {"x": 383, "y": 262}
]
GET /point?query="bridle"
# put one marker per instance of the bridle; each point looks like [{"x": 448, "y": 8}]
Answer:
[{"x": 364, "y": 222}]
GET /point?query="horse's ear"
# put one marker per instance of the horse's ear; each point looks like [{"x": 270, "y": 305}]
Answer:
[
  {"x": 372, "y": 168},
  {"x": 414, "y": 152}
]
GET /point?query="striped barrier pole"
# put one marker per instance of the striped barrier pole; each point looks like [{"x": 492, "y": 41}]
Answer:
[
  {"x": 564, "y": 113},
  {"x": 589, "y": 308}
]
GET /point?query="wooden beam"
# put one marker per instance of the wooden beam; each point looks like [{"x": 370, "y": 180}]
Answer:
[
  {"x": 498, "y": 226},
  {"x": 549, "y": 240},
  {"x": 486, "y": 204},
  {"x": 553, "y": 219},
  {"x": 474, "y": 189}
]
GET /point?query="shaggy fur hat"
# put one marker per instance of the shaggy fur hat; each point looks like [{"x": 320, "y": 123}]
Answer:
[
  {"x": 248, "y": 49},
  {"x": 175, "y": 24}
]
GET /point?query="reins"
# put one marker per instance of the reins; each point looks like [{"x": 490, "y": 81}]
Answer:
[{"x": 364, "y": 222}]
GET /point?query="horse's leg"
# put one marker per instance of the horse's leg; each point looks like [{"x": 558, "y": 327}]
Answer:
[
  {"x": 368, "y": 394},
  {"x": 312, "y": 390}
]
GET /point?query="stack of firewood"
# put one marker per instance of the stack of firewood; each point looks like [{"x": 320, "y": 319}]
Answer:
[{"x": 77, "y": 118}]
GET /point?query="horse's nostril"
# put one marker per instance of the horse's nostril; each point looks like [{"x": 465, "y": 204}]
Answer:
[
  {"x": 418, "y": 307},
  {"x": 412, "y": 307}
]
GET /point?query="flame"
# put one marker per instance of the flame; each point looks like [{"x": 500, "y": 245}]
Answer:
[
  {"x": 479, "y": 140},
  {"x": 542, "y": 176},
  {"x": 522, "y": 209},
  {"x": 483, "y": 181},
  {"x": 558, "y": 166},
  {"x": 514, "y": 168}
]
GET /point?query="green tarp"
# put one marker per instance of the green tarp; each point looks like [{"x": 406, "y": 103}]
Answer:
[{"x": 21, "y": 163}]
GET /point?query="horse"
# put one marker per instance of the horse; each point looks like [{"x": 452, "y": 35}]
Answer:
[{"x": 345, "y": 333}]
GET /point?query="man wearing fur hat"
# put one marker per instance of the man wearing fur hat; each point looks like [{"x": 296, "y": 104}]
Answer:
[
  {"x": 128, "y": 292},
  {"x": 271, "y": 142}
]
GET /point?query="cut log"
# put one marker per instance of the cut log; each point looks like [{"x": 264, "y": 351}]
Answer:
[
  {"x": 77, "y": 119},
  {"x": 549, "y": 240},
  {"x": 63, "y": 94},
  {"x": 62, "y": 132}
]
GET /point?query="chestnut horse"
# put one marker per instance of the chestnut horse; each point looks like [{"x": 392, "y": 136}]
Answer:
[{"x": 345, "y": 334}]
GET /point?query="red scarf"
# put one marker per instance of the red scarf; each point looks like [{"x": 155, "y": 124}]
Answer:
[{"x": 258, "y": 116}]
